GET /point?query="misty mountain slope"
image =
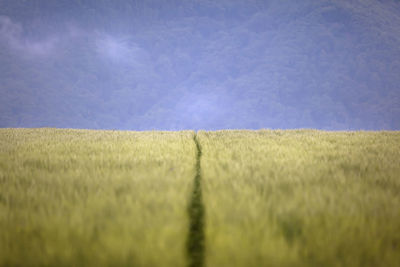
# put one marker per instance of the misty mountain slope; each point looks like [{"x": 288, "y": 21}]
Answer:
[{"x": 200, "y": 64}]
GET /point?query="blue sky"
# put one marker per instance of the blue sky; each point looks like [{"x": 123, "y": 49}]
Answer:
[{"x": 172, "y": 65}]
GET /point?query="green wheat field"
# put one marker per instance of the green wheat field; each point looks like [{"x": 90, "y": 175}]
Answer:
[{"x": 208, "y": 198}]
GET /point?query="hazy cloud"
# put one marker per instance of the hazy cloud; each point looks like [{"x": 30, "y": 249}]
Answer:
[
  {"x": 119, "y": 49},
  {"x": 12, "y": 34}
]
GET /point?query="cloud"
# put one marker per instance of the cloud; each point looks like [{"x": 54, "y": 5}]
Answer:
[
  {"x": 203, "y": 109},
  {"x": 11, "y": 33},
  {"x": 119, "y": 49}
]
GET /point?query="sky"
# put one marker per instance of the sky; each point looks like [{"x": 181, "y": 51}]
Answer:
[{"x": 200, "y": 64}]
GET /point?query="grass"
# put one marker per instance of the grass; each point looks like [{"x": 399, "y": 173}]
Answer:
[
  {"x": 94, "y": 198},
  {"x": 301, "y": 198},
  {"x": 222, "y": 198}
]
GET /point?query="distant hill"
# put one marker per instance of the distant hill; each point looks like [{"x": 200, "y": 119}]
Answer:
[{"x": 200, "y": 64}]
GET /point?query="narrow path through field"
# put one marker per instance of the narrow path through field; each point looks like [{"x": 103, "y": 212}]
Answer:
[{"x": 195, "y": 240}]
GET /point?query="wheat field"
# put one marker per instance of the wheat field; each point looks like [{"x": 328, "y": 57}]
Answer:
[
  {"x": 94, "y": 198},
  {"x": 211, "y": 198},
  {"x": 301, "y": 198}
]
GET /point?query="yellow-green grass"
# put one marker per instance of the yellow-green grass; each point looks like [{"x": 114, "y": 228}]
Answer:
[
  {"x": 94, "y": 198},
  {"x": 301, "y": 198},
  {"x": 271, "y": 198}
]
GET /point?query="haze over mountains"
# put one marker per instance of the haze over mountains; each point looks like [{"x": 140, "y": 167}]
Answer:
[{"x": 200, "y": 64}]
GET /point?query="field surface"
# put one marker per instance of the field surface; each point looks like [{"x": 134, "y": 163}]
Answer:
[
  {"x": 94, "y": 198},
  {"x": 301, "y": 198},
  {"x": 222, "y": 198}
]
